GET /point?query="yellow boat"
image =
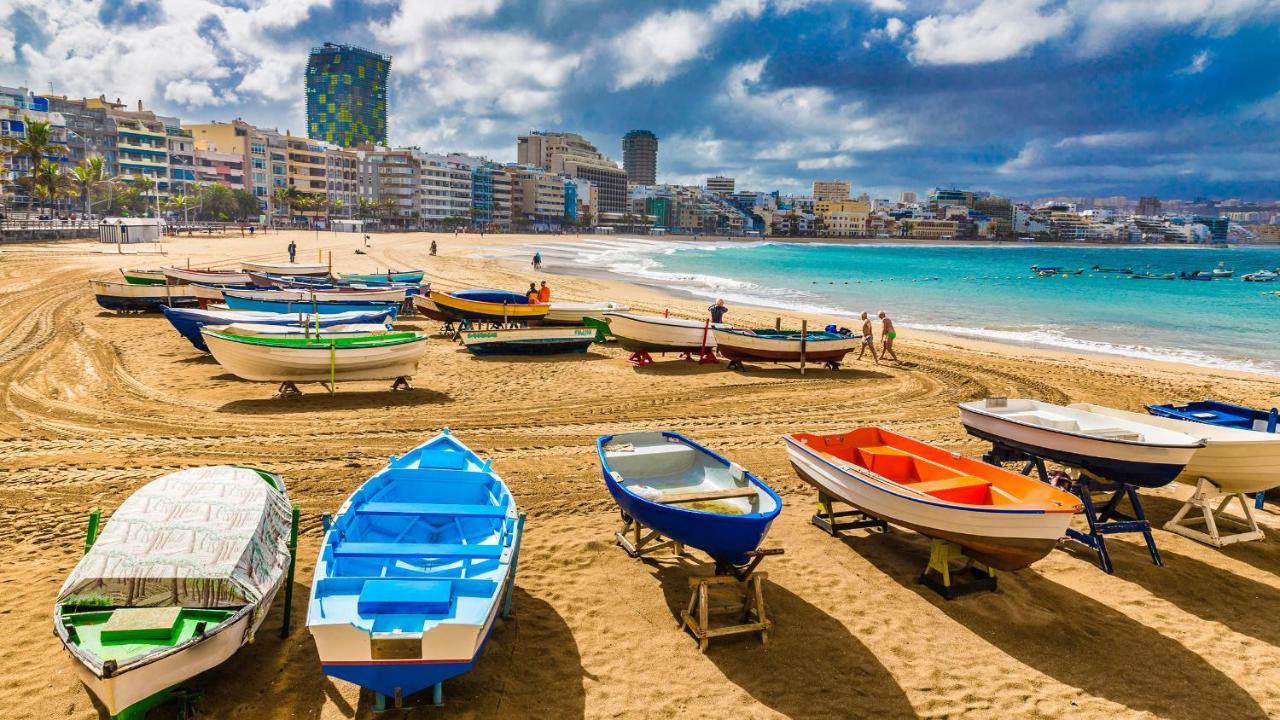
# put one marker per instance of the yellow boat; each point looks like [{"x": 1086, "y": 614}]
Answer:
[{"x": 489, "y": 305}]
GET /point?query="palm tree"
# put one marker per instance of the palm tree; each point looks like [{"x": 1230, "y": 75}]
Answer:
[
  {"x": 37, "y": 143},
  {"x": 90, "y": 175},
  {"x": 49, "y": 183}
]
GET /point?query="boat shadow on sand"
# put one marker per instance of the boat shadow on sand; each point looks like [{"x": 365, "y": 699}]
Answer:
[
  {"x": 1262, "y": 555},
  {"x": 317, "y": 399},
  {"x": 812, "y": 372},
  {"x": 1073, "y": 638},
  {"x": 533, "y": 359},
  {"x": 781, "y": 674}
]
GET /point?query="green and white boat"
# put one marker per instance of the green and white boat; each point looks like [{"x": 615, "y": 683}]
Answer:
[
  {"x": 180, "y": 578},
  {"x": 135, "y": 276}
]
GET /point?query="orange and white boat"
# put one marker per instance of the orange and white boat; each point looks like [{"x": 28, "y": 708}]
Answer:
[{"x": 1002, "y": 519}]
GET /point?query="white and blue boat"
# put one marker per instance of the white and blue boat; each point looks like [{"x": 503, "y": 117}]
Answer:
[
  {"x": 688, "y": 493},
  {"x": 323, "y": 307},
  {"x": 188, "y": 321},
  {"x": 1221, "y": 414},
  {"x": 414, "y": 570}
]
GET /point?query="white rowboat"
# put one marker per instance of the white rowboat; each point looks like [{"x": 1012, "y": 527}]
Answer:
[
  {"x": 571, "y": 313},
  {"x": 650, "y": 333},
  {"x": 294, "y": 359}
]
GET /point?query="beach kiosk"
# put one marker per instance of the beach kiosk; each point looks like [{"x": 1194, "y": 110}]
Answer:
[{"x": 122, "y": 230}]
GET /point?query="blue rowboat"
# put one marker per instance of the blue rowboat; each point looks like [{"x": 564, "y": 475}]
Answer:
[
  {"x": 414, "y": 570},
  {"x": 1221, "y": 414},
  {"x": 323, "y": 307},
  {"x": 390, "y": 276},
  {"x": 688, "y": 493},
  {"x": 188, "y": 321}
]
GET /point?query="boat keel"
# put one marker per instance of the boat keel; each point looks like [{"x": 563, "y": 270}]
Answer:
[{"x": 1203, "y": 500}]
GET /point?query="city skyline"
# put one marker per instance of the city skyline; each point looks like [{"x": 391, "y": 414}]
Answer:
[{"x": 1025, "y": 98}]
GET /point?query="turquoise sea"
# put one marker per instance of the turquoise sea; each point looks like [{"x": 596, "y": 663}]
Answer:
[{"x": 985, "y": 291}]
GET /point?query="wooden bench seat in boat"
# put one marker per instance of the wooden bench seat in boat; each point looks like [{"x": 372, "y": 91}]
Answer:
[
  {"x": 672, "y": 498},
  {"x": 416, "y": 550},
  {"x": 459, "y": 509},
  {"x": 953, "y": 483},
  {"x": 401, "y": 597}
]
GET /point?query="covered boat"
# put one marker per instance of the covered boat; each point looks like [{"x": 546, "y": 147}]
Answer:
[
  {"x": 181, "y": 577},
  {"x": 300, "y": 359},
  {"x": 123, "y": 296},
  {"x": 1004, "y": 520},
  {"x": 414, "y": 570},
  {"x": 688, "y": 493},
  {"x": 395, "y": 295},
  {"x": 572, "y": 313},
  {"x": 143, "y": 277},
  {"x": 284, "y": 268},
  {"x": 784, "y": 345},
  {"x": 487, "y": 305},
  {"x": 1235, "y": 460},
  {"x": 529, "y": 341},
  {"x": 188, "y": 321},
  {"x": 653, "y": 333},
  {"x": 1108, "y": 448},
  {"x": 323, "y": 307},
  {"x": 207, "y": 276},
  {"x": 390, "y": 276},
  {"x": 1214, "y": 412}
]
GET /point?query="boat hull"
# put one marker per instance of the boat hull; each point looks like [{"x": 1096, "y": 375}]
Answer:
[
  {"x": 572, "y": 313},
  {"x": 265, "y": 363},
  {"x": 188, "y": 321},
  {"x": 284, "y": 269},
  {"x": 740, "y": 346},
  {"x": 306, "y": 295},
  {"x": 426, "y": 306},
  {"x": 123, "y": 296},
  {"x": 641, "y": 333},
  {"x": 466, "y": 309},
  {"x": 326, "y": 307},
  {"x": 529, "y": 341},
  {"x": 1005, "y": 540},
  {"x": 1139, "y": 465},
  {"x": 207, "y": 277}
]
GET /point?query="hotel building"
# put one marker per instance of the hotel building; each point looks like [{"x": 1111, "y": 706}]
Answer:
[
  {"x": 831, "y": 190},
  {"x": 640, "y": 157},
  {"x": 720, "y": 185},
  {"x": 573, "y": 156},
  {"x": 346, "y": 90}
]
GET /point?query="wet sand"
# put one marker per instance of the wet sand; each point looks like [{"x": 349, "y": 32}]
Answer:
[{"x": 96, "y": 404}]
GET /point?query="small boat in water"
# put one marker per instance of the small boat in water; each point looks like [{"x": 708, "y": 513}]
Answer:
[
  {"x": 529, "y": 341},
  {"x": 1260, "y": 276},
  {"x": 1222, "y": 414},
  {"x": 1196, "y": 275},
  {"x": 189, "y": 321},
  {"x": 1108, "y": 448},
  {"x": 688, "y": 493},
  {"x": 572, "y": 313},
  {"x": 1112, "y": 271},
  {"x": 1003, "y": 519},
  {"x": 1233, "y": 459},
  {"x": 301, "y": 359},
  {"x": 128, "y": 297},
  {"x": 487, "y": 306},
  {"x": 1153, "y": 276},
  {"x": 317, "y": 270},
  {"x": 207, "y": 276},
  {"x": 784, "y": 345},
  {"x": 653, "y": 333},
  {"x": 414, "y": 570},
  {"x": 181, "y": 577},
  {"x": 143, "y": 277},
  {"x": 324, "y": 307}
]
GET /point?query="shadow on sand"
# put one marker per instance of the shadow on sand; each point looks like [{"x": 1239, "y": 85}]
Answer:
[
  {"x": 1262, "y": 555},
  {"x": 1075, "y": 639},
  {"x": 784, "y": 674},
  {"x": 567, "y": 357},
  {"x": 320, "y": 400}
]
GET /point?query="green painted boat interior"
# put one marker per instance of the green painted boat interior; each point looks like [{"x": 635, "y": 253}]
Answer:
[
  {"x": 135, "y": 280},
  {"x": 271, "y": 478},
  {"x": 341, "y": 343},
  {"x": 125, "y": 633}
]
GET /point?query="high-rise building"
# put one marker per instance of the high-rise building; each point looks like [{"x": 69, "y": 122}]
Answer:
[
  {"x": 907, "y": 197},
  {"x": 640, "y": 157},
  {"x": 1149, "y": 207},
  {"x": 720, "y": 185},
  {"x": 831, "y": 190},
  {"x": 573, "y": 156},
  {"x": 347, "y": 95}
]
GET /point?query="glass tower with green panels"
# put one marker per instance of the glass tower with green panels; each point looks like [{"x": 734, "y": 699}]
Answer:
[{"x": 347, "y": 95}]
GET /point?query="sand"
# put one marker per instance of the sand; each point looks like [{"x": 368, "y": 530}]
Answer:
[{"x": 96, "y": 404}]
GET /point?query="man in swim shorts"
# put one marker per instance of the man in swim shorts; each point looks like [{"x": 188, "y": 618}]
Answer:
[
  {"x": 868, "y": 339},
  {"x": 887, "y": 336}
]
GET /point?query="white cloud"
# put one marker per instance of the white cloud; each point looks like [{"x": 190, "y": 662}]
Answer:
[
  {"x": 1119, "y": 138},
  {"x": 193, "y": 92},
  {"x": 1199, "y": 62},
  {"x": 990, "y": 31},
  {"x": 499, "y": 72},
  {"x": 832, "y": 161}
]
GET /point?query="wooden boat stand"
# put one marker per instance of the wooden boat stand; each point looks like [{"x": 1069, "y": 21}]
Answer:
[
  {"x": 939, "y": 577},
  {"x": 828, "y": 520},
  {"x": 641, "y": 544},
  {"x": 1203, "y": 500},
  {"x": 1109, "y": 521}
]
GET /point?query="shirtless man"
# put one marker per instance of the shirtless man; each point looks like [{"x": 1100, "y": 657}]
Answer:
[
  {"x": 887, "y": 335},
  {"x": 868, "y": 339}
]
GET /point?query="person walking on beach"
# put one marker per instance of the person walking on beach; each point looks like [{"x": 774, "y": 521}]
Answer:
[
  {"x": 532, "y": 295},
  {"x": 433, "y": 248},
  {"x": 868, "y": 339},
  {"x": 537, "y": 261},
  {"x": 717, "y": 311},
  {"x": 544, "y": 293},
  {"x": 293, "y": 251},
  {"x": 887, "y": 336}
]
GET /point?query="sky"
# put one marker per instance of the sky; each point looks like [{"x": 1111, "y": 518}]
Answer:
[{"x": 1027, "y": 98}]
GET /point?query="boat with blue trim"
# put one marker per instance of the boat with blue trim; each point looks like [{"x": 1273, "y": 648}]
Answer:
[
  {"x": 488, "y": 305},
  {"x": 323, "y": 307},
  {"x": 1222, "y": 414},
  {"x": 414, "y": 570},
  {"x": 188, "y": 321},
  {"x": 529, "y": 341}
]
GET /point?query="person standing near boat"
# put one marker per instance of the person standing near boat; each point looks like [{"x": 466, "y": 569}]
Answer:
[
  {"x": 887, "y": 336},
  {"x": 293, "y": 251},
  {"x": 544, "y": 293},
  {"x": 868, "y": 339},
  {"x": 717, "y": 311},
  {"x": 433, "y": 247},
  {"x": 532, "y": 295}
]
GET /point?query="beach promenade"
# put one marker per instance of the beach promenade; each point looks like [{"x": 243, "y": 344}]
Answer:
[{"x": 96, "y": 405}]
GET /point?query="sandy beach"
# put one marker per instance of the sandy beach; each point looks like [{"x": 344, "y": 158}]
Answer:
[{"x": 96, "y": 404}]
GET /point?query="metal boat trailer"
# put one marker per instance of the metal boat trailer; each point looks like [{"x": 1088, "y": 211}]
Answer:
[{"x": 1108, "y": 520}]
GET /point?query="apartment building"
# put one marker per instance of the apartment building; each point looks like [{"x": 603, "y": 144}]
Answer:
[
  {"x": 445, "y": 189},
  {"x": 831, "y": 190},
  {"x": 342, "y": 182},
  {"x": 307, "y": 171},
  {"x": 219, "y": 168},
  {"x": 18, "y": 108},
  {"x": 392, "y": 179},
  {"x": 536, "y": 195},
  {"x": 573, "y": 156}
]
